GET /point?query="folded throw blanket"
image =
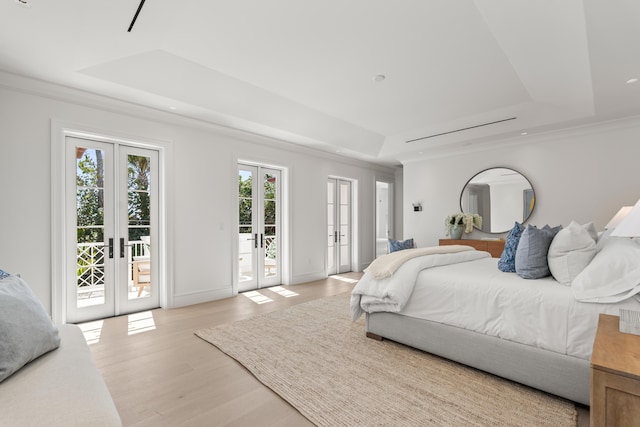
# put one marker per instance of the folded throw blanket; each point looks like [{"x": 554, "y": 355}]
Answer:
[
  {"x": 392, "y": 293},
  {"x": 386, "y": 265}
]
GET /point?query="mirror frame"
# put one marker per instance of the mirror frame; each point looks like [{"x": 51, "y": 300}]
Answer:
[{"x": 522, "y": 219}]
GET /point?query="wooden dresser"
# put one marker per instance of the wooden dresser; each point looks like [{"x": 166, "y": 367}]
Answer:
[
  {"x": 615, "y": 376},
  {"x": 494, "y": 247}
]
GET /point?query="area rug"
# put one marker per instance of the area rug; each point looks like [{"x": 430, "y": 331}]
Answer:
[{"x": 316, "y": 359}]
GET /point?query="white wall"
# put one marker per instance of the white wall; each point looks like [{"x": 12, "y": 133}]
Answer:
[
  {"x": 583, "y": 174},
  {"x": 201, "y": 188}
]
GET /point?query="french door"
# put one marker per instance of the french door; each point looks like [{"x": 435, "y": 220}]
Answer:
[
  {"x": 111, "y": 214},
  {"x": 259, "y": 249},
  {"x": 338, "y": 226}
]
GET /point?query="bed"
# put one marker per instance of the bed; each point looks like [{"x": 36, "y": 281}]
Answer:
[{"x": 463, "y": 308}]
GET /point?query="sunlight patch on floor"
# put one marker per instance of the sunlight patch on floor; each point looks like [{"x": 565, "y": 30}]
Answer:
[
  {"x": 257, "y": 297},
  {"x": 92, "y": 331},
  {"x": 140, "y": 322},
  {"x": 344, "y": 279},
  {"x": 283, "y": 292}
]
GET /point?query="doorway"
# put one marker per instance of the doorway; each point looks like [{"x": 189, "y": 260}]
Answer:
[
  {"x": 259, "y": 230},
  {"x": 111, "y": 223},
  {"x": 384, "y": 216},
  {"x": 339, "y": 226}
]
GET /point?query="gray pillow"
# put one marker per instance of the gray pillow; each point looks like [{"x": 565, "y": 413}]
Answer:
[
  {"x": 531, "y": 256},
  {"x": 26, "y": 331}
]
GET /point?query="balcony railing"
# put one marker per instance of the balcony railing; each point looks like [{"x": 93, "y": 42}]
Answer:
[{"x": 91, "y": 259}]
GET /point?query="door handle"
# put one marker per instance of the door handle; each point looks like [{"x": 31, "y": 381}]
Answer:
[
  {"x": 335, "y": 237},
  {"x": 111, "y": 247},
  {"x": 122, "y": 247},
  {"x": 261, "y": 240}
]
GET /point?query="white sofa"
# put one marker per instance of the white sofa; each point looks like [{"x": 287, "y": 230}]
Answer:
[{"x": 60, "y": 388}]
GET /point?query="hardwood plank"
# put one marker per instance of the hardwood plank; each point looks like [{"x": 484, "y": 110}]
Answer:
[{"x": 167, "y": 376}]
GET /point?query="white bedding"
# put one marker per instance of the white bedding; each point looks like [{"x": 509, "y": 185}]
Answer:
[
  {"x": 475, "y": 295},
  {"x": 392, "y": 293}
]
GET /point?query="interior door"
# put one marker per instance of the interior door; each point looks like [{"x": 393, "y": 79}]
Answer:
[
  {"x": 338, "y": 226},
  {"x": 259, "y": 250},
  {"x": 384, "y": 216},
  {"x": 111, "y": 210}
]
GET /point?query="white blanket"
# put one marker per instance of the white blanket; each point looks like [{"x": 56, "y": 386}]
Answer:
[
  {"x": 386, "y": 265},
  {"x": 392, "y": 293}
]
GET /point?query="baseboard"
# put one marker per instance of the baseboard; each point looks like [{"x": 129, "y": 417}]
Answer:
[
  {"x": 191, "y": 298},
  {"x": 308, "y": 277}
]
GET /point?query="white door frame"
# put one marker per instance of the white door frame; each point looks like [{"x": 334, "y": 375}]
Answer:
[
  {"x": 352, "y": 215},
  {"x": 59, "y": 132},
  {"x": 258, "y": 240}
]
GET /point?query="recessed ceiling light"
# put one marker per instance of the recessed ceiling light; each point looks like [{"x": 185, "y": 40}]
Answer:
[
  {"x": 379, "y": 78},
  {"x": 524, "y": 133},
  {"x": 173, "y": 108},
  {"x": 632, "y": 81}
]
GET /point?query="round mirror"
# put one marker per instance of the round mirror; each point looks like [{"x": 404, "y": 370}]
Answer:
[{"x": 500, "y": 196}]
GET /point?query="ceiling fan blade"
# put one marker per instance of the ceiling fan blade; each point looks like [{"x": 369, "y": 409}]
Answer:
[{"x": 133, "y": 21}]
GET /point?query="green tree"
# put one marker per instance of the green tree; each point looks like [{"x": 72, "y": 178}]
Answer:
[
  {"x": 139, "y": 209},
  {"x": 90, "y": 197}
]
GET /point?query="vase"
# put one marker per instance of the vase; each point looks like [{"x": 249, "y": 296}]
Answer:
[{"x": 455, "y": 231}]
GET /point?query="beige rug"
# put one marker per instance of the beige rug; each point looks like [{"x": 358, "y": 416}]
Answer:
[{"x": 320, "y": 362}]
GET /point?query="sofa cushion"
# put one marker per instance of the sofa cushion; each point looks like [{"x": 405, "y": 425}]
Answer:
[{"x": 26, "y": 331}]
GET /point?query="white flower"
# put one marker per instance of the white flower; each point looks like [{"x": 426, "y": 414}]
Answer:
[{"x": 468, "y": 219}]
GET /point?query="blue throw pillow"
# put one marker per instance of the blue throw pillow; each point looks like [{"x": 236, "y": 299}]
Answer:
[
  {"x": 4, "y": 274},
  {"x": 531, "y": 257},
  {"x": 507, "y": 261},
  {"x": 396, "y": 245}
]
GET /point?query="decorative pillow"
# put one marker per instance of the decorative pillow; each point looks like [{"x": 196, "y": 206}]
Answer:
[
  {"x": 396, "y": 245},
  {"x": 507, "y": 261},
  {"x": 613, "y": 275},
  {"x": 531, "y": 256},
  {"x": 4, "y": 274},
  {"x": 571, "y": 251},
  {"x": 26, "y": 331}
]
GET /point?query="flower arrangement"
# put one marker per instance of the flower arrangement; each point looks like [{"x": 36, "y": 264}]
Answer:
[{"x": 466, "y": 219}]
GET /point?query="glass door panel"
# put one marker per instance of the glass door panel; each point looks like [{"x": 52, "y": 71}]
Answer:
[
  {"x": 270, "y": 216},
  {"x": 90, "y": 218},
  {"x": 139, "y": 226},
  {"x": 344, "y": 237},
  {"x": 247, "y": 235},
  {"x": 138, "y": 214}
]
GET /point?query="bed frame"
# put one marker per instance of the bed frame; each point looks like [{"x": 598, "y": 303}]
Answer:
[{"x": 559, "y": 374}]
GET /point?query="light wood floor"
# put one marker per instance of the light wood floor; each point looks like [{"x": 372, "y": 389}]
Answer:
[{"x": 169, "y": 377}]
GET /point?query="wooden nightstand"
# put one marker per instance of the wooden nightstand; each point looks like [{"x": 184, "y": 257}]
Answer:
[
  {"x": 615, "y": 376},
  {"x": 494, "y": 247}
]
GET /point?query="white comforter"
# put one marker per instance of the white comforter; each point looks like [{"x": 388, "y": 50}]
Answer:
[
  {"x": 392, "y": 293},
  {"x": 478, "y": 297}
]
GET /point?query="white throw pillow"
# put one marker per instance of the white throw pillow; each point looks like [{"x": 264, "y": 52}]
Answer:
[{"x": 571, "y": 250}]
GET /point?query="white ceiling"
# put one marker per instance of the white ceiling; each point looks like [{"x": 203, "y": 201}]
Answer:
[{"x": 303, "y": 71}]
